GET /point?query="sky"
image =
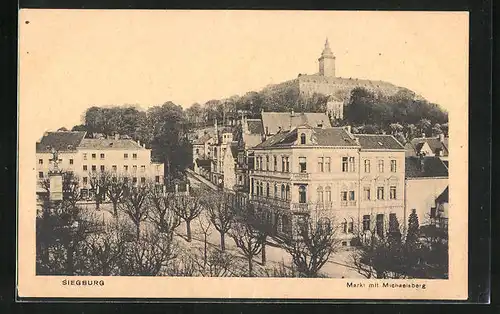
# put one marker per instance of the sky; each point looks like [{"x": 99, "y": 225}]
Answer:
[{"x": 73, "y": 59}]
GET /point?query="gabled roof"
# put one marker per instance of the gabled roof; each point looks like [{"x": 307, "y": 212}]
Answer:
[
  {"x": 433, "y": 142},
  {"x": 61, "y": 141},
  {"x": 108, "y": 144},
  {"x": 432, "y": 167},
  {"x": 319, "y": 137},
  {"x": 443, "y": 197},
  {"x": 273, "y": 121},
  {"x": 203, "y": 139},
  {"x": 376, "y": 141},
  {"x": 255, "y": 126}
]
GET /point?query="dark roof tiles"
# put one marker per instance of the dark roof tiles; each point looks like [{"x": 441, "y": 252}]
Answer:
[
  {"x": 62, "y": 141},
  {"x": 378, "y": 142},
  {"x": 102, "y": 144},
  {"x": 425, "y": 167}
]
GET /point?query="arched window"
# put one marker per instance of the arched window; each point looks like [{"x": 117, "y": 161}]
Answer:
[
  {"x": 267, "y": 189},
  {"x": 302, "y": 138},
  {"x": 302, "y": 194},
  {"x": 283, "y": 191},
  {"x": 275, "y": 190},
  {"x": 328, "y": 194},
  {"x": 287, "y": 195},
  {"x": 344, "y": 226},
  {"x": 320, "y": 194},
  {"x": 350, "y": 228}
]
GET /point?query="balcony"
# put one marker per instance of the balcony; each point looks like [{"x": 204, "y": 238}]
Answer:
[
  {"x": 302, "y": 208},
  {"x": 273, "y": 202},
  {"x": 347, "y": 203}
]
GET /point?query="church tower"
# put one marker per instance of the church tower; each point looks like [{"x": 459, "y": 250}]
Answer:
[{"x": 327, "y": 61}]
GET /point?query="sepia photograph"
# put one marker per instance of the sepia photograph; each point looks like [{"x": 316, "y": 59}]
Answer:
[{"x": 279, "y": 154}]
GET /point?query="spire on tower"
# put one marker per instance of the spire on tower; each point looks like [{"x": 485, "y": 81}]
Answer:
[{"x": 327, "y": 52}]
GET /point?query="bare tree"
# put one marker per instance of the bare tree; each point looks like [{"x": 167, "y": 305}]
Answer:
[
  {"x": 98, "y": 184},
  {"x": 221, "y": 213},
  {"x": 188, "y": 207},
  {"x": 115, "y": 190},
  {"x": 260, "y": 218},
  {"x": 248, "y": 239},
  {"x": 133, "y": 205},
  {"x": 218, "y": 264},
  {"x": 205, "y": 226},
  {"x": 150, "y": 255},
  {"x": 311, "y": 248},
  {"x": 162, "y": 212}
]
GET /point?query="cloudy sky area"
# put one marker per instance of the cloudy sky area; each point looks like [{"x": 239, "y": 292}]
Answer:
[{"x": 71, "y": 60}]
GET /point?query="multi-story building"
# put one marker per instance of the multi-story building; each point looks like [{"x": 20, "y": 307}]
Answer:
[
  {"x": 87, "y": 158},
  {"x": 353, "y": 182}
]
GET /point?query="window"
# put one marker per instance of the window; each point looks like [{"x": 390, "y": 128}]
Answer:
[
  {"x": 85, "y": 193},
  {"x": 302, "y": 194},
  {"x": 392, "y": 192},
  {"x": 215, "y": 152},
  {"x": 257, "y": 163},
  {"x": 267, "y": 163},
  {"x": 94, "y": 168},
  {"x": 114, "y": 168},
  {"x": 367, "y": 165},
  {"x": 71, "y": 161},
  {"x": 251, "y": 187},
  {"x": 134, "y": 156},
  {"x": 102, "y": 168},
  {"x": 366, "y": 193},
  {"x": 134, "y": 180},
  {"x": 134, "y": 168},
  {"x": 351, "y": 164},
  {"x": 260, "y": 162},
  {"x": 102, "y": 156},
  {"x": 380, "y": 166},
  {"x": 93, "y": 156},
  {"x": 85, "y": 180},
  {"x": 328, "y": 194},
  {"x": 344, "y": 226},
  {"x": 366, "y": 222},
  {"x": 320, "y": 164},
  {"x": 84, "y": 167},
  {"x": 282, "y": 191},
  {"x": 197, "y": 151},
  {"x": 350, "y": 228},
  {"x": 40, "y": 175},
  {"x": 380, "y": 193},
  {"x": 351, "y": 196},
  {"x": 302, "y": 138},
  {"x": 380, "y": 225},
  {"x": 282, "y": 164},
  {"x": 275, "y": 190},
  {"x": 125, "y": 156},
  {"x": 125, "y": 180},
  {"x": 40, "y": 161},
  {"x": 287, "y": 192},
  {"x": 344, "y": 164},
  {"x": 267, "y": 189},
  {"x": 393, "y": 165},
  {"x": 157, "y": 179},
  {"x": 320, "y": 194},
  {"x": 275, "y": 164},
  {"x": 125, "y": 168},
  {"x": 327, "y": 164},
  {"x": 84, "y": 156},
  {"x": 343, "y": 196},
  {"x": 287, "y": 164},
  {"x": 143, "y": 168},
  {"x": 302, "y": 164},
  {"x": 143, "y": 180}
]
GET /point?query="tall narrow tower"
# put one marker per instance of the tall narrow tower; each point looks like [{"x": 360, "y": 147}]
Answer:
[{"x": 327, "y": 61}]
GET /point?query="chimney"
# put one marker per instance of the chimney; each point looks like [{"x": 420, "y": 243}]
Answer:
[
  {"x": 423, "y": 134},
  {"x": 138, "y": 142},
  {"x": 441, "y": 137},
  {"x": 117, "y": 136}
]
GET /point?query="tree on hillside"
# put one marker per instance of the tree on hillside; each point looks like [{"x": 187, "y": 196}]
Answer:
[{"x": 424, "y": 125}]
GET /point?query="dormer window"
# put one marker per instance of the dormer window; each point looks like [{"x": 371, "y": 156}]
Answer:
[{"x": 302, "y": 138}]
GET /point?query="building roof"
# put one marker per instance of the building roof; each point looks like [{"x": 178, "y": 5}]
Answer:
[
  {"x": 410, "y": 150},
  {"x": 272, "y": 122},
  {"x": 432, "y": 167},
  {"x": 443, "y": 197},
  {"x": 319, "y": 137},
  {"x": 434, "y": 143},
  {"x": 61, "y": 141},
  {"x": 376, "y": 141},
  {"x": 105, "y": 144},
  {"x": 255, "y": 126},
  {"x": 203, "y": 139}
]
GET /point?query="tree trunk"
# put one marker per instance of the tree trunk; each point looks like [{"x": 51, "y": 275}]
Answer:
[
  {"x": 205, "y": 253},
  {"x": 97, "y": 203},
  {"x": 222, "y": 242},
  {"x": 138, "y": 230},
  {"x": 264, "y": 259},
  {"x": 188, "y": 230},
  {"x": 250, "y": 268},
  {"x": 115, "y": 208}
]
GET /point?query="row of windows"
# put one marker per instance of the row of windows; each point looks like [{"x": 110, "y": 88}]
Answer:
[
  {"x": 324, "y": 164},
  {"x": 379, "y": 223},
  {"x": 282, "y": 192},
  {"x": 114, "y": 168},
  {"x": 380, "y": 193},
  {"x": 103, "y": 156},
  {"x": 40, "y": 161},
  {"x": 85, "y": 180}
]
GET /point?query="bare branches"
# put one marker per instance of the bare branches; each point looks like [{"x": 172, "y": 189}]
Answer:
[
  {"x": 162, "y": 212},
  {"x": 133, "y": 205},
  {"x": 188, "y": 207},
  {"x": 221, "y": 213},
  {"x": 249, "y": 240},
  {"x": 115, "y": 190}
]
